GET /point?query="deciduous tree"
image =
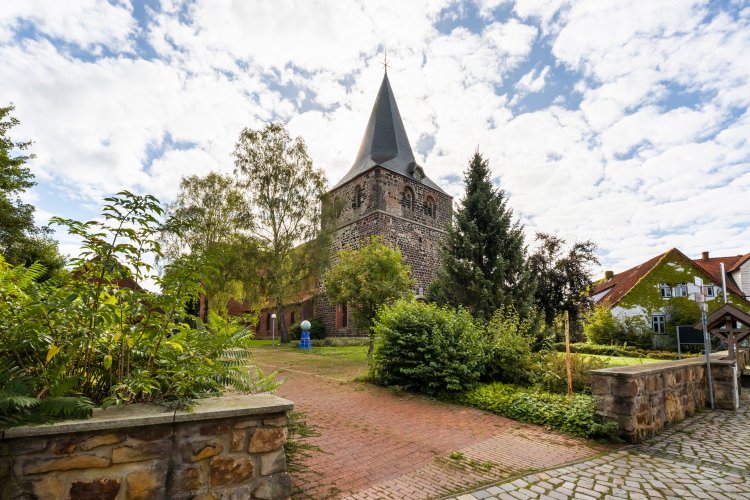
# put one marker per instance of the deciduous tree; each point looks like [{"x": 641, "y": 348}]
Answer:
[
  {"x": 563, "y": 277},
  {"x": 286, "y": 195},
  {"x": 21, "y": 241},
  {"x": 367, "y": 278}
]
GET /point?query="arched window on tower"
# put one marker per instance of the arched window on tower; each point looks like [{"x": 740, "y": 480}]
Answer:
[
  {"x": 359, "y": 195},
  {"x": 430, "y": 207},
  {"x": 407, "y": 198}
]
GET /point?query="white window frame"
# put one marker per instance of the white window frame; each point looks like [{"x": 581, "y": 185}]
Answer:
[
  {"x": 681, "y": 290},
  {"x": 665, "y": 291},
  {"x": 710, "y": 291},
  {"x": 659, "y": 323}
]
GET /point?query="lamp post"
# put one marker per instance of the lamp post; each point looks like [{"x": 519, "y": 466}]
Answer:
[{"x": 273, "y": 330}]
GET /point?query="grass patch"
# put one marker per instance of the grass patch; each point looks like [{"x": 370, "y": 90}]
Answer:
[{"x": 613, "y": 361}]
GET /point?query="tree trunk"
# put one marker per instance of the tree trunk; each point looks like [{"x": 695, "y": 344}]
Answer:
[{"x": 283, "y": 332}]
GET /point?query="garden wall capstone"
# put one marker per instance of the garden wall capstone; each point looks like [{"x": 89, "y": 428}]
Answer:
[
  {"x": 226, "y": 448},
  {"x": 643, "y": 399}
]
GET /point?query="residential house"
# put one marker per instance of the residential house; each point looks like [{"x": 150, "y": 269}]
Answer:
[{"x": 654, "y": 288}]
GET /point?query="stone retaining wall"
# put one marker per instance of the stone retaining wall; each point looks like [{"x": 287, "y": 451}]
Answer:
[
  {"x": 643, "y": 399},
  {"x": 229, "y": 447}
]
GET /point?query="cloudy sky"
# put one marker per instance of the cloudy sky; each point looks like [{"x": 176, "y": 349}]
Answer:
[{"x": 626, "y": 122}]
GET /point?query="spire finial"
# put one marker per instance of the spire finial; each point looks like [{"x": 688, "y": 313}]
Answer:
[{"x": 385, "y": 59}]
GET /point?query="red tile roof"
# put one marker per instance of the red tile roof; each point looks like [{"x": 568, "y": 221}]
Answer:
[{"x": 620, "y": 284}]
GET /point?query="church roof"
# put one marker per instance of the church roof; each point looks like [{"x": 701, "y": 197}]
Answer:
[{"x": 385, "y": 142}]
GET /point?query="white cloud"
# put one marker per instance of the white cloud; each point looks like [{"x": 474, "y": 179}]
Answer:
[
  {"x": 650, "y": 159},
  {"x": 86, "y": 23}
]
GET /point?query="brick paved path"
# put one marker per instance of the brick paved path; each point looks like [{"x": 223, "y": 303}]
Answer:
[
  {"x": 378, "y": 444},
  {"x": 707, "y": 456}
]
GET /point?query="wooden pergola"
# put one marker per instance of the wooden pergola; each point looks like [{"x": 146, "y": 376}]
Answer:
[{"x": 729, "y": 324}]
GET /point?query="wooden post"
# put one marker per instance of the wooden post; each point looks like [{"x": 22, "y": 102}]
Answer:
[{"x": 567, "y": 354}]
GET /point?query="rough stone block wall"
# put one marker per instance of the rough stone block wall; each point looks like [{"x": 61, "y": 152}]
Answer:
[
  {"x": 213, "y": 458},
  {"x": 643, "y": 399},
  {"x": 417, "y": 234}
]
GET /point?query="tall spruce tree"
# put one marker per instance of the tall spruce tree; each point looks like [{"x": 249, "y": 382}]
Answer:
[{"x": 484, "y": 256}]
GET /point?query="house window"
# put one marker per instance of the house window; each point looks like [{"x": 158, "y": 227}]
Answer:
[
  {"x": 430, "y": 207},
  {"x": 342, "y": 316},
  {"x": 358, "y": 197},
  {"x": 681, "y": 290},
  {"x": 291, "y": 318},
  {"x": 710, "y": 291},
  {"x": 665, "y": 290},
  {"x": 658, "y": 323},
  {"x": 407, "y": 198},
  {"x": 268, "y": 322}
]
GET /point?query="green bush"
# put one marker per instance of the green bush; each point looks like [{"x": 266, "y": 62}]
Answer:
[
  {"x": 552, "y": 372},
  {"x": 317, "y": 330},
  {"x": 615, "y": 351},
  {"x": 602, "y": 328},
  {"x": 509, "y": 348},
  {"x": 574, "y": 416},
  {"x": 95, "y": 336},
  {"x": 425, "y": 348}
]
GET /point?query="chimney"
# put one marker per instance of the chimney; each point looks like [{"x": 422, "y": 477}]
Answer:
[
  {"x": 608, "y": 275},
  {"x": 704, "y": 256}
]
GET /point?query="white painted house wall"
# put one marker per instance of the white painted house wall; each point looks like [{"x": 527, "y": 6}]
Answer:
[{"x": 741, "y": 276}]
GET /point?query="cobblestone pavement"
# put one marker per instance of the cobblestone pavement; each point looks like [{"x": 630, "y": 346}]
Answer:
[
  {"x": 707, "y": 456},
  {"x": 380, "y": 444}
]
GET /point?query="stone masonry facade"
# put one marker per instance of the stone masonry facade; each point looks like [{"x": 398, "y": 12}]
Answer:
[
  {"x": 207, "y": 456},
  {"x": 416, "y": 231},
  {"x": 644, "y": 399}
]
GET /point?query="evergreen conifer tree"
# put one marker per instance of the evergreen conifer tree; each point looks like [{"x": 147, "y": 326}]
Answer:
[{"x": 484, "y": 256}]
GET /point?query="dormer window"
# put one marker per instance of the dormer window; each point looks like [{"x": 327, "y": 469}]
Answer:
[
  {"x": 359, "y": 196},
  {"x": 407, "y": 198},
  {"x": 430, "y": 207}
]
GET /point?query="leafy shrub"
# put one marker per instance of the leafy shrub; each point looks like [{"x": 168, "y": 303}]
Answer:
[
  {"x": 574, "y": 416},
  {"x": 425, "y": 348},
  {"x": 96, "y": 335},
  {"x": 601, "y": 327},
  {"x": 343, "y": 341},
  {"x": 509, "y": 348},
  {"x": 552, "y": 372},
  {"x": 615, "y": 350},
  {"x": 317, "y": 330}
]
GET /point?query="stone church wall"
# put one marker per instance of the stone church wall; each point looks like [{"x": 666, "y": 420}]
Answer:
[{"x": 417, "y": 234}]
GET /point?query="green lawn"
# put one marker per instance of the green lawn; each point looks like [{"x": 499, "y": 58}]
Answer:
[{"x": 622, "y": 361}]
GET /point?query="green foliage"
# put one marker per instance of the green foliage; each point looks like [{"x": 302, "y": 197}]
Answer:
[
  {"x": 21, "y": 241},
  {"x": 317, "y": 330},
  {"x": 210, "y": 218},
  {"x": 296, "y": 447},
  {"x": 601, "y": 327},
  {"x": 551, "y": 372},
  {"x": 484, "y": 256},
  {"x": 574, "y": 416},
  {"x": 368, "y": 278},
  {"x": 509, "y": 348},
  {"x": 563, "y": 278},
  {"x": 425, "y": 348},
  {"x": 615, "y": 350},
  {"x": 682, "y": 312},
  {"x": 95, "y": 333},
  {"x": 287, "y": 198}
]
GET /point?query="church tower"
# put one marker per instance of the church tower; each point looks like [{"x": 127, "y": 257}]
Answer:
[{"x": 387, "y": 193}]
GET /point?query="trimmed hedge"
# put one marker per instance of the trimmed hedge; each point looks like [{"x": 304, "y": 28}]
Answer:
[
  {"x": 574, "y": 416},
  {"x": 617, "y": 350}
]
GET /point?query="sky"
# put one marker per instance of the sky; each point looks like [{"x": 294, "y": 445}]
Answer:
[{"x": 623, "y": 122}]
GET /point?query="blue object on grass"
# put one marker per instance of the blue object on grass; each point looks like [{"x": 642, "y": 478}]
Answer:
[{"x": 304, "y": 341}]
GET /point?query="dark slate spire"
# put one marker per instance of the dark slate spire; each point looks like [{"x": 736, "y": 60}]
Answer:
[{"x": 385, "y": 142}]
